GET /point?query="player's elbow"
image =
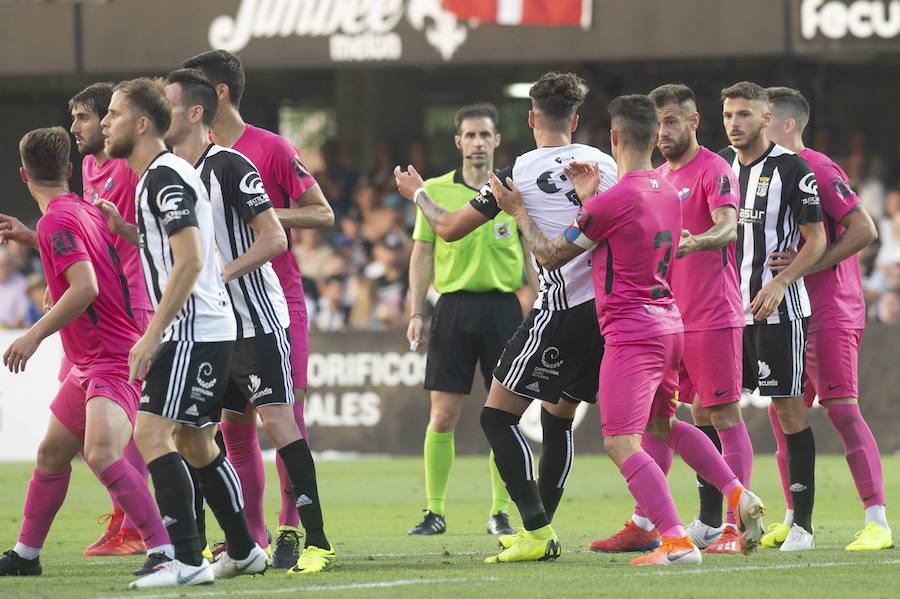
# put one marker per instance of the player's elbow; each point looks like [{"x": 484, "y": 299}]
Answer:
[
  {"x": 276, "y": 242},
  {"x": 450, "y": 233},
  {"x": 730, "y": 234},
  {"x": 868, "y": 232},
  {"x": 327, "y": 217}
]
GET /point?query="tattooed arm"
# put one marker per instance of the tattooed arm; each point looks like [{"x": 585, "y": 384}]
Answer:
[{"x": 450, "y": 226}]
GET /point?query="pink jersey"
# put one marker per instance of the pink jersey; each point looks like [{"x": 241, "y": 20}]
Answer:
[
  {"x": 705, "y": 284},
  {"x": 114, "y": 181},
  {"x": 636, "y": 225},
  {"x": 100, "y": 338},
  {"x": 285, "y": 179},
  {"x": 835, "y": 293}
]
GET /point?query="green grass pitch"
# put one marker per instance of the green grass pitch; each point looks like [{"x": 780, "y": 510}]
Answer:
[{"x": 370, "y": 504}]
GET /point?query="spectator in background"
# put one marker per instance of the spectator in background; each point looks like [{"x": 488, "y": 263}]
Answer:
[
  {"x": 36, "y": 290},
  {"x": 889, "y": 307},
  {"x": 336, "y": 180},
  {"x": 312, "y": 252},
  {"x": 389, "y": 281},
  {"x": 381, "y": 178},
  {"x": 332, "y": 310},
  {"x": 13, "y": 298}
]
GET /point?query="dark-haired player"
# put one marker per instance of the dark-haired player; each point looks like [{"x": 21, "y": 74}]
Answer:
[
  {"x": 779, "y": 206},
  {"x": 554, "y": 354},
  {"x": 835, "y": 327},
  {"x": 298, "y": 203}
]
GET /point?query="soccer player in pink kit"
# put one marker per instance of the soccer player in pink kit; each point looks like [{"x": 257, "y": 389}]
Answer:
[
  {"x": 633, "y": 231},
  {"x": 94, "y": 410},
  {"x": 298, "y": 203},
  {"x": 835, "y": 327},
  {"x": 705, "y": 286},
  {"x": 110, "y": 178}
]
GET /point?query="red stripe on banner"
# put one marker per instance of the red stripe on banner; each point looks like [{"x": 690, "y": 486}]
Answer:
[
  {"x": 551, "y": 12},
  {"x": 481, "y": 10}
]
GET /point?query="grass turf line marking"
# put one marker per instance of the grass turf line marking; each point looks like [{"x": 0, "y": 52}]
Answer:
[
  {"x": 336, "y": 587},
  {"x": 732, "y": 569}
]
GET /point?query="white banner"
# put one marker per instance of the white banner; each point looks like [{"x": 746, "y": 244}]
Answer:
[{"x": 25, "y": 398}]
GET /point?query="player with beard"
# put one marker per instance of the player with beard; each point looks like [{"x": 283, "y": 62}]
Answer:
[
  {"x": 705, "y": 287},
  {"x": 187, "y": 348},
  {"x": 835, "y": 327},
  {"x": 298, "y": 203},
  {"x": 779, "y": 205}
]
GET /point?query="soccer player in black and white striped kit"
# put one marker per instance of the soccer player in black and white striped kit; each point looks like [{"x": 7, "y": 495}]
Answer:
[
  {"x": 779, "y": 205},
  {"x": 248, "y": 236},
  {"x": 185, "y": 355}
]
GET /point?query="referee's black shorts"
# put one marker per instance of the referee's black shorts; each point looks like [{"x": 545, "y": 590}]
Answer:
[{"x": 467, "y": 328}]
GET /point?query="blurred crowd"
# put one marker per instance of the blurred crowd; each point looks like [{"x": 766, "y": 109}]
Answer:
[{"x": 356, "y": 275}]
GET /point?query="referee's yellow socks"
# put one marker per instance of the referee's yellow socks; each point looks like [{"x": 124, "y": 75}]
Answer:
[
  {"x": 439, "y": 452},
  {"x": 499, "y": 494}
]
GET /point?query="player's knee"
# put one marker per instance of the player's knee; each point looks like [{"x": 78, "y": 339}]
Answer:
[
  {"x": 50, "y": 458},
  {"x": 100, "y": 456},
  {"x": 660, "y": 429},
  {"x": 725, "y": 416},
  {"x": 280, "y": 426},
  {"x": 442, "y": 421}
]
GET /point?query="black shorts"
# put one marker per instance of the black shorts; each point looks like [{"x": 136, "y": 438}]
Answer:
[
  {"x": 260, "y": 372},
  {"x": 554, "y": 354},
  {"x": 774, "y": 358},
  {"x": 186, "y": 381},
  {"x": 467, "y": 328}
]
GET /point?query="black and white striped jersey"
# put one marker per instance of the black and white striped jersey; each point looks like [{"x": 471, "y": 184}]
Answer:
[
  {"x": 237, "y": 195},
  {"x": 552, "y": 204},
  {"x": 170, "y": 197},
  {"x": 778, "y": 194}
]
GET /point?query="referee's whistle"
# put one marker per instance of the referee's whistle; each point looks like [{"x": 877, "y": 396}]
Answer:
[{"x": 413, "y": 345}]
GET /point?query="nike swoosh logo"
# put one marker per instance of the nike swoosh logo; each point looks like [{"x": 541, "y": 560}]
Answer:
[
  {"x": 833, "y": 387},
  {"x": 674, "y": 557},
  {"x": 102, "y": 387},
  {"x": 721, "y": 393},
  {"x": 707, "y": 536},
  {"x": 187, "y": 579}
]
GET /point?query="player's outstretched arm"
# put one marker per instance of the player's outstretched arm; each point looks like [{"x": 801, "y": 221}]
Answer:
[
  {"x": 83, "y": 288},
  {"x": 449, "y": 226},
  {"x": 270, "y": 241},
  {"x": 550, "y": 254},
  {"x": 311, "y": 211},
  {"x": 117, "y": 225},
  {"x": 12, "y": 229},
  {"x": 769, "y": 297},
  {"x": 723, "y": 232},
  {"x": 187, "y": 264}
]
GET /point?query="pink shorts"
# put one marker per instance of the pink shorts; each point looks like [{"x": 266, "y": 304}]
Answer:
[
  {"x": 79, "y": 387},
  {"x": 638, "y": 379},
  {"x": 711, "y": 365},
  {"x": 141, "y": 318},
  {"x": 832, "y": 364},
  {"x": 299, "y": 331}
]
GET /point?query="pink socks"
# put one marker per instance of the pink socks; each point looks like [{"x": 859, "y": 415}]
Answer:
[
  {"x": 650, "y": 490},
  {"x": 288, "y": 515},
  {"x": 661, "y": 454},
  {"x": 133, "y": 456},
  {"x": 242, "y": 447},
  {"x": 701, "y": 455},
  {"x": 861, "y": 451},
  {"x": 46, "y": 493},
  {"x": 131, "y": 492},
  {"x": 781, "y": 457}
]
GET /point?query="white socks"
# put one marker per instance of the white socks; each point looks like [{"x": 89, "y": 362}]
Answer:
[
  {"x": 167, "y": 550},
  {"x": 643, "y": 523},
  {"x": 27, "y": 552},
  {"x": 788, "y": 518},
  {"x": 876, "y": 514}
]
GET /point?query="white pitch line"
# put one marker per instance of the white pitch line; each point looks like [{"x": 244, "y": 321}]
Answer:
[
  {"x": 298, "y": 589},
  {"x": 732, "y": 569}
]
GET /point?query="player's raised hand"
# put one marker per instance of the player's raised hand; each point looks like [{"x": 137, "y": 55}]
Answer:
[
  {"x": 140, "y": 356},
  {"x": 585, "y": 177},
  {"x": 20, "y": 351},
  {"x": 767, "y": 300},
  {"x": 778, "y": 261},
  {"x": 12, "y": 229},
  {"x": 408, "y": 181},
  {"x": 507, "y": 196},
  {"x": 114, "y": 219}
]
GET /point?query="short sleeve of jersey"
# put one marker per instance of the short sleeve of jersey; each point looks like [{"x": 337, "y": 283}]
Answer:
[
  {"x": 835, "y": 193},
  {"x": 290, "y": 173},
  {"x": 720, "y": 185},
  {"x": 803, "y": 194},
  {"x": 250, "y": 195},
  {"x": 485, "y": 202},
  {"x": 171, "y": 199},
  {"x": 60, "y": 243},
  {"x": 595, "y": 219}
]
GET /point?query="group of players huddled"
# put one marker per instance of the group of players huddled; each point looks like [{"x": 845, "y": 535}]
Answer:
[
  {"x": 700, "y": 281},
  {"x": 181, "y": 313}
]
